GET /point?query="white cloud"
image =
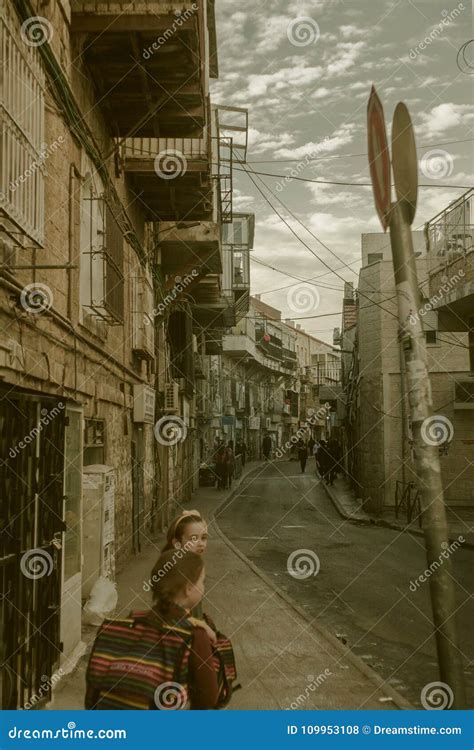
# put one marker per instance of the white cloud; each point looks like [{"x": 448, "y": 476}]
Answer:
[
  {"x": 445, "y": 116},
  {"x": 341, "y": 137}
]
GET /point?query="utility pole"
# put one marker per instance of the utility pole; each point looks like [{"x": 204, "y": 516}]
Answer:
[{"x": 398, "y": 217}]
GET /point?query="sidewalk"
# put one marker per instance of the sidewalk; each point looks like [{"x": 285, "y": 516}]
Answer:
[
  {"x": 283, "y": 660},
  {"x": 460, "y": 520}
]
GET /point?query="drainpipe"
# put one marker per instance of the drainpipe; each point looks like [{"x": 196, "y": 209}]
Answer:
[{"x": 73, "y": 172}]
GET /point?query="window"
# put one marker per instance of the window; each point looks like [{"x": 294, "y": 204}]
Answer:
[
  {"x": 22, "y": 145},
  {"x": 431, "y": 337},
  {"x": 94, "y": 442},
  {"x": 374, "y": 258},
  {"x": 102, "y": 283}
]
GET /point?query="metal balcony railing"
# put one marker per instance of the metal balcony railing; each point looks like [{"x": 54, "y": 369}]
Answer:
[
  {"x": 450, "y": 233},
  {"x": 151, "y": 148}
]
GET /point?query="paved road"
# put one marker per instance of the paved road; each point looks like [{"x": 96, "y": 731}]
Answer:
[{"x": 362, "y": 591}]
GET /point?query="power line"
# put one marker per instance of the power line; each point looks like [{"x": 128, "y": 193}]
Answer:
[
  {"x": 249, "y": 172},
  {"x": 293, "y": 276},
  {"x": 346, "y": 156},
  {"x": 345, "y": 184}
]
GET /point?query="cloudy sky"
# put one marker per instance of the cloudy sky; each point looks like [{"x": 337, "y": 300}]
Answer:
[{"x": 304, "y": 69}]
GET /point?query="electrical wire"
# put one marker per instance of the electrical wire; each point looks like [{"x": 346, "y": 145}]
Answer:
[
  {"x": 347, "y": 156},
  {"x": 345, "y": 184},
  {"x": 250, "y": 173}
]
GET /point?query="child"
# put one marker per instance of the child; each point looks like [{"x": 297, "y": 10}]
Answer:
[
  {"x": 188, "y": 532},
  {"x": 157, "y": 659}
]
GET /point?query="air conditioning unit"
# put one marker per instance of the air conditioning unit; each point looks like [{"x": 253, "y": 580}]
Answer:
[
  {"x": 142, "y": 318},
  {"x": 143, "y": 404},
  {"x": 172, "y": 398}
]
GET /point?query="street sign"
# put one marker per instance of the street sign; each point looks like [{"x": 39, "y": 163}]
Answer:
[
  {"x": 379, "y": 157},
  {"x": 404, "y": 161}
]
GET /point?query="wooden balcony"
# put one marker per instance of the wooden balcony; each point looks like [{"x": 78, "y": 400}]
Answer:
[
  {"x": 188, "y": 243},
  {"x": 147, "y": 61},
  {"x": 171, "y": 177}
]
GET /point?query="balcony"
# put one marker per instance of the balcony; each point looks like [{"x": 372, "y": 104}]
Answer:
[
  {"x": 157, "y": 55},
  {"x": 171, "y": 177},
  {"x": 237, "y": 241},
  {"x": 289, "y": 358},
  {"x": 186, "y": 242},
  {"x": 451, "y": 258}
]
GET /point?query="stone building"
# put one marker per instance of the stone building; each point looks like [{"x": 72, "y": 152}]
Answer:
[
  {"x": 378, "y": 430},
  {"x": 115, "y": 174}
]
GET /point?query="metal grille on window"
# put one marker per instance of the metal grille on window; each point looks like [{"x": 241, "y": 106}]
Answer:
[
  {"x": 22, "y": 140},
  {"x": 104, "y": 259}
]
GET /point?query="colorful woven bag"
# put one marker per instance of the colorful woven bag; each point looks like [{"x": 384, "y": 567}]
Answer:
[{"x": 140, "y": 662}]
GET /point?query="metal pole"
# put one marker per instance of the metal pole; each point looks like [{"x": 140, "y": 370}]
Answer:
[{"x": 426, "y": 456}]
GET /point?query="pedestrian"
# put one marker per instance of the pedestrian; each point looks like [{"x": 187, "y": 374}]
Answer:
[
  {"x": 161, "y": 647},
  {"x": 230, "y": 464},
  {"x": 311, "y": 443},
  {"x": 241, "y": 450},
  {"x": 316, "y": 449},
  {"x": 302, "y": 454},
  {"x": 334, "y": 457},
  {"x": 267, "y": 447},
  {"x": 221, "y": 467},
  {"x": 323, "y": 460},
  {"x": 187, "y": 531}
]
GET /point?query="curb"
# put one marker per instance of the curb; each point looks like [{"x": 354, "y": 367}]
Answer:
[
  {"x": 370, "y": 521},
  {"x": 399, "y": 700}
]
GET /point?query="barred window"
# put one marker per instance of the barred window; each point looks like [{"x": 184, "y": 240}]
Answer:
[{"x": 22, "y": 127}]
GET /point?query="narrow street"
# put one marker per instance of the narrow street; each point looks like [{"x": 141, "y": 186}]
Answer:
[{"x": 362, "y": 590}]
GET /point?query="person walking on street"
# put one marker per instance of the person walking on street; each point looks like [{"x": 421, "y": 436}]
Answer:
[
  {"x": 221, "y": 467},
  {"x": 316, "y": 449},
  {"x": 302, "y": 454},
  {"x": 334, "y": 456},
  {"x": 126, "y": 670},
  {"x": 230, "y": 464},
  {"x": 267, "y": 447},
  {"x": 323, "y": 460}
]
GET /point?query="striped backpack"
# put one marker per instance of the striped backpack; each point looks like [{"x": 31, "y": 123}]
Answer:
[{"x": 142, "y": 662}]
